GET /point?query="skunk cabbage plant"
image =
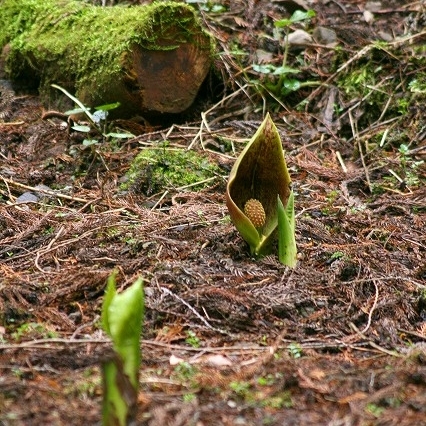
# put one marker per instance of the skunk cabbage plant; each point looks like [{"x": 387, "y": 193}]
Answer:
[{"x": 259, "y": 196}]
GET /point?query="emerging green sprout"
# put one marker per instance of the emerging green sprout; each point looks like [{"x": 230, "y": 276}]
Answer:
[
  {"x": 259, "y": 185},
  {"x": 122, "y": 316}
]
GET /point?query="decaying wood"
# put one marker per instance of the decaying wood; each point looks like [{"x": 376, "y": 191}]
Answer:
[{"x": 151, "y": 59}]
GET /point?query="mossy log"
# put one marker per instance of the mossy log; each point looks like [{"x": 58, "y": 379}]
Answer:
[{"x": 151, "y": 59}]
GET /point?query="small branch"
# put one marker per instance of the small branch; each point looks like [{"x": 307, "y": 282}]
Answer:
[
  {"x": 370, "y": 314},
  {"x": 43, "y": 191},
  {"x": 202, "y": 319}
]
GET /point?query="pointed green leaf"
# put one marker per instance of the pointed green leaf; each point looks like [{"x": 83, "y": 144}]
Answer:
[
  {"x": 108, "y": 107},
  {"x": 297, "y": 16},
  {"x": 287, "y": 250},
  {"x": 81, "y": 128},
  {"x": 76, "y": 100},
  {"x": 119, "y": 135},
  {"x": 110, "y": 293},
  {"x": 125, "y": 314},
  {"x": 75, "y": 111},
  {"x": 122, "y": 316},
  {"x": 290, "y": 85},
  {"x": 282, "y": 70}
]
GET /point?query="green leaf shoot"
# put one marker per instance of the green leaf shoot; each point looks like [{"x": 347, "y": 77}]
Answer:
[
  {"x": 76, "y": 101},
  {"x": 122, "y": 315},
  {"x": 287, "y": 250},
  {"x": 298, "y": 16}
]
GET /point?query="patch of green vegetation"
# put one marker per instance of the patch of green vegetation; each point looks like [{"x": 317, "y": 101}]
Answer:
[
  {"x": 254, "y": 397},
  {"x": 402, "y": 105},
  {"x": 328, "y": 209},
  {"x": 98, "y": 121},
  {"x": 185, "y": 373},
  {"x": 278, "y": 401},
  {"x": 225, "y": 220},
  {"x": 338, "y": 255},
  {"x": 418, "y": 83},
  {"x": 33, "y": 330},
  {"x": 332, "y": 196},
  {"x": 189, "y": 397},
  {"x": 422, "y": 299},
  {"x": 359, "y": 81},
  {"x": 295, "y": 350},
  {"x": 410, "y": 167},
  {"x": 389, "y": 139},
  {"x": 373, "y": 83},
  {"x": 209, "y": 6},
  {"x": 192, "y": 339},
  {"x": 240, "y": 388},
  {"x": 225, "y": 144},
  {"x": 269, "y": 379},
  {"x": 364, "y": 83},
  {"x": 155, "y": 170},
  {"x": 406, "y": 174},
  {"x": 281, "y": 80},
  {"x": 374, "y": 409},
  {"x": 18, "y": 372},
  {"x": 86, "y": 386},
  {"x": 49, "y": 230},
  {"x": 263, "y": 340}
]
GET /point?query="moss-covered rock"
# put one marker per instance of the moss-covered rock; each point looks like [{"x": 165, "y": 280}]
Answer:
[{"x": 159, "y": 169}]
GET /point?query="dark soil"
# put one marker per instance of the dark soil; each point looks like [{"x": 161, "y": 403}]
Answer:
[{"x": 227, "y": 339}]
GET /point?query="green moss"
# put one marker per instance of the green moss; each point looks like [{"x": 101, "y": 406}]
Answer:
[
  {"x": 156, "y": 170},
  {"x": 385, "y": 93},
  {"x": 86, "y": 44}
]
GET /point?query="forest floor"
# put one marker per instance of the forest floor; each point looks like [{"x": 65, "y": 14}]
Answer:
[{"x": 228, "y": 339}]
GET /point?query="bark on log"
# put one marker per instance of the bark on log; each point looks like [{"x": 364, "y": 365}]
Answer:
[{"x": 151, "y": 59}]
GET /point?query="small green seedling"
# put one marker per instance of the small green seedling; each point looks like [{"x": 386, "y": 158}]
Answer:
[
  {"x": 98, "y": 119},
  {"x": 295, "y": 350},
  {"x": 287, "y": 81},
  {"x": 192, "y": 339}
]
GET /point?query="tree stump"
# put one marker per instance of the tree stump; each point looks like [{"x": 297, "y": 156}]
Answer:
[{"x": 151, "y": 59}]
